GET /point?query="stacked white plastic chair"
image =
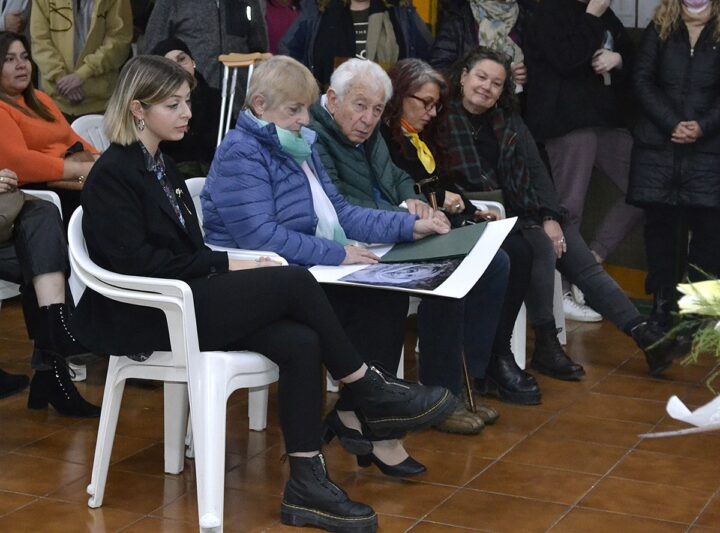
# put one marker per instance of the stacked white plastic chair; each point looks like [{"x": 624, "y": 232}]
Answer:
[
  {"x": 91, "y": 128},
  {"x": 205, "y": 378}
]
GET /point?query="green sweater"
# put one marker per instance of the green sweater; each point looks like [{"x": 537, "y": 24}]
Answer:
[{"x": 357, "y": 171}]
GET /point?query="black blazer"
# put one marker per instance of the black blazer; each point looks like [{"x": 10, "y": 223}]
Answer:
[{"x": 130, "y": 228}]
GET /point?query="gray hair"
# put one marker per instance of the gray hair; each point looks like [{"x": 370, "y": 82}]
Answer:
[{"x": 356, "y": 70}]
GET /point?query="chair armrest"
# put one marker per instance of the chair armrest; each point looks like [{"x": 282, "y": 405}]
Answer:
[
  {"x": 484, "y": 205},
  {"x": 239, "y": 254}
]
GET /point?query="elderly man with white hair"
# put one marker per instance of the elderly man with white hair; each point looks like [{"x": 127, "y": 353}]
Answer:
[{"x": 358, "y": 161}]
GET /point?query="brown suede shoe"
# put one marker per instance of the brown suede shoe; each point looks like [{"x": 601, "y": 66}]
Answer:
[{"x": 462, "y": 422}]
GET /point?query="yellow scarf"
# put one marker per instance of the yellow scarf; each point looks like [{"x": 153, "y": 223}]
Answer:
[{"x": 423, "y": 152}]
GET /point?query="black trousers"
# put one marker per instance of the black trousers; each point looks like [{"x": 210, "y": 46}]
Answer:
[
  {"x": 38, "y": 247},
  {"x": 669, "y": 249},
  {"x": 284, "y": 314}
]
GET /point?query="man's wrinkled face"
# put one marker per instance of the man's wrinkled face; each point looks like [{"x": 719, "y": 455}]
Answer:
[{"x": 358, "y": 112}]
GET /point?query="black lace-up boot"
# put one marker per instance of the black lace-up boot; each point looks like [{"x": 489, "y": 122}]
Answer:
[
  {"x": 389, "y": 404},
  {"x": 55, "y": 387},
  {"x": 312, "y": 499}
]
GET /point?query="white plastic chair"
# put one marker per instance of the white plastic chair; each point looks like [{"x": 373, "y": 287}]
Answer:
[
  {"x": 91, "y": 128},
  {"x": 208, "y": 378},
  {"x": 234, "y": 62}
]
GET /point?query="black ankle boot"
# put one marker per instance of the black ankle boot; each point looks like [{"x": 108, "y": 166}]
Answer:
[
  {"x": 506, "y": 380},
  {"x": 11, "y": 383},
  {"x": 388, "y": 404},
  {"x": 57, "y": 336},
  {"x": 56, "y": 388},
  {"x": 312, "y": 499},
  {"x": 660, "y": 349},
  {"x": 550, "y": 359}
]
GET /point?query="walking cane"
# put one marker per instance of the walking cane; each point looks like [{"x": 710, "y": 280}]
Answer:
[{"x": 420, "y": 187}]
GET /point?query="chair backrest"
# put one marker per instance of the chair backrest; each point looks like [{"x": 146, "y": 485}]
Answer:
[
  {"x": 172, "y": 296},
  {"x": 195, "y": 187},
  {"x": 234, "y": 62},
  {"x": 90, "y": 128}
]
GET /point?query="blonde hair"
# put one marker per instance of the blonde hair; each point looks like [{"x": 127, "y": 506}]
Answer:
[
  {"x": 282, "y": 79},
  {"x": 668, "y": 17},
  {"x": 148, "y": 79}
]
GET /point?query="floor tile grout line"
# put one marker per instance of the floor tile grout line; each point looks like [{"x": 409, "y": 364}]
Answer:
[{"x": 705, "y": 507}]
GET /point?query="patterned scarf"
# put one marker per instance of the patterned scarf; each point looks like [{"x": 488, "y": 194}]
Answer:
[
  {"x": 423, "y": 152},
  {"x": 495, "y": 20},
  {"x": 473, "y": 173}
]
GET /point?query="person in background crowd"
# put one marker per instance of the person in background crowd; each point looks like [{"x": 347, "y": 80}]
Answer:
[
  {"x": 14, "y": 15},
  {"x": 579, "y": 59},
  {"x": 194, "y": 152},
  {"x": 79, "y": 47},
  {"x": 332, "y": 31},
  {"x": 138, "y": 220},
  {"x": 37, "y": 142},
  {"x": 279, "y": 16},
  {"x": 33, "y": 253},
  {"x": 676, "y": 159},
  {"x": 420, "y": 94},
  {"x": 465, "y": 24},
  {"x": 209, "y": 28},
  {"x": 489, "y": 147}
]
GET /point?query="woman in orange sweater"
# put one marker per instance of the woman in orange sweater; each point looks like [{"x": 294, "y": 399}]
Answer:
[{"x": 36, "y": 141}]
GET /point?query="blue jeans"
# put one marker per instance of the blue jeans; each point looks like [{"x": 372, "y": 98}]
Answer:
[{"x": 447, "y": 327}]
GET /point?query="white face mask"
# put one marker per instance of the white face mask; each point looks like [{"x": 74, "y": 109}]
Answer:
[{"x": 695, "y": 6}]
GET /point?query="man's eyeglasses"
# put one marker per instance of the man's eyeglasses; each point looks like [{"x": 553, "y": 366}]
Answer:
[{"x": 428, "y": 103}]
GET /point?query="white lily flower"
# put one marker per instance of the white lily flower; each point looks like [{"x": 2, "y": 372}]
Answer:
[{"x": 702, "y": 297}]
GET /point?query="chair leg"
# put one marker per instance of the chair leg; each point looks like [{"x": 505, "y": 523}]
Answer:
[
  {"x": 518, "y": 340},
  {"x": 176, "y": 415},
  {"x": 112, "y": 398},
  {"x": 208, "y": 424},
  {"x": 558, "y": 309},
  {"x": 257, "y": 407}
]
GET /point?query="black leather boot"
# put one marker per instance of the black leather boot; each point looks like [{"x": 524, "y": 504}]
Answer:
[
  {"x": 56, "y": 335},
  {"x": 388, "y": 404},
  {"x": 550, "y": 359},
  {"x": 312, "y": 499},
  {"x": 56, "y": 388},
  {"x": 659, "y": 347},
  {"x": 506, "y": 380},
  {"x": 11, "y": 383}
]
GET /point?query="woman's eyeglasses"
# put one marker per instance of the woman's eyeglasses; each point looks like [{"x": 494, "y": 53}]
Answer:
[{"x": 428, "y": 103}]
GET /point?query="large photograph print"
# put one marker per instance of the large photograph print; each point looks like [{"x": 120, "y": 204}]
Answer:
[{"x": 422, "y": 276}]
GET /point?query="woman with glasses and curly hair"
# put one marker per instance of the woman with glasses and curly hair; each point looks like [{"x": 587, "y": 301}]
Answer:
[{"x": 676, "y": 158}]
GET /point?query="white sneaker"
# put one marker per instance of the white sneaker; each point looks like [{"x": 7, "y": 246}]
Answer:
[{"x": 578, "y": 312}]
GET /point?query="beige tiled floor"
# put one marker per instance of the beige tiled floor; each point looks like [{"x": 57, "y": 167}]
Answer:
[{"x": 571, "y": 465}]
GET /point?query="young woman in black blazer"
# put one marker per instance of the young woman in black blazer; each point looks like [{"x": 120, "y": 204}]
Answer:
[{"x": 139, "y": 220}]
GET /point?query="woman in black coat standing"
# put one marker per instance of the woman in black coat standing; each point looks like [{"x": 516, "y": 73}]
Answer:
[{"x": 676, "y": 159}]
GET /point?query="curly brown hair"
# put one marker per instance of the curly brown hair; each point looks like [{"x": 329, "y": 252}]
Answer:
[{"x": 668, "y": 17}]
